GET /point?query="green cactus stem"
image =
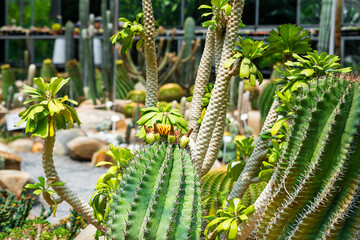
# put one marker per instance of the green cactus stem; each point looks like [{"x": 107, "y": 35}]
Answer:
[
  {"x": 8, "y": 80},
  {"x": 160, "y": 197},
  {"x": 189, "y": 36},
  {"x": 73, "y": 69},
  {"x": 266, "y": 100},
  {"x": 69, "y": 41},
  {"x": 123, "y": 83},
  {"x": 317, "y": 178},
  {"x": 83, "y": 16},
  {"x": 150, "y": 54},
  {"x": 48, "y": 70},
  {"x": 220, "y": 87}
]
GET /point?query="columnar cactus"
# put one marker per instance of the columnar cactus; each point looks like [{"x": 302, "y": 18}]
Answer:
[
  {"x": 73, "y": 69},
  {"x": 160, "y": 196},
  {"x": 316, "y": 187},
  {"x": 48, "y": 70},
  {"x": 83, "y": 15},
  {"x": 69, "y": 38},
  {"x": 7, "y": 81}
]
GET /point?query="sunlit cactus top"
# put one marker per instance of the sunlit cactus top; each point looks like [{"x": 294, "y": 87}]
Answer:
[{"x": 50, "y": 112}]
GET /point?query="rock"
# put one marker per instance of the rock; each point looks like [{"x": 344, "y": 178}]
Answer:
[
  {"x": 88, "y": 103},
  {"x": 22, "y": 145},
  {"x": 101, "y": 156},
  {"x": 5, "y": 148},
  {"x": 12, "y": 160},
  {"x": 121, "y": 124},
  {"x": 120, "y": 105},
  {"x": 91, "y": 118},
  {"x": 14, "y": 181},
  {"x": 140, "y": 86},
  {"x": 88, "y": 233},
  {"x": 63, "y": 137},
  {"x": 82, "y": 148},
  {"x": 37, "y": 147}
]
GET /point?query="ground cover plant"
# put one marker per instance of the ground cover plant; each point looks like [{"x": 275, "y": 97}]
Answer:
[{"x": 298, "y": 180}]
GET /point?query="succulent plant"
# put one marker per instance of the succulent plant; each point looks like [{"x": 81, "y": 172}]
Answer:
[
  {"x": 13, "y": 212},
  {"x": 317, "y": 179},
  {"x": 48, "y": 70},
  {"x": 7, "y": 82},
  {"x": 160, "y": 196}
]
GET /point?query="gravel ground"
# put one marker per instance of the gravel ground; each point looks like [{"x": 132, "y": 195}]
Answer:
[{"x": 80, "y": 177}]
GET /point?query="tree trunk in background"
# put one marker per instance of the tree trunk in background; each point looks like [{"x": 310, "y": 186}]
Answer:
[{"x": 338, "y": 27}]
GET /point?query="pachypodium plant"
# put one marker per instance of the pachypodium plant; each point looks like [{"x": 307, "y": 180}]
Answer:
[
  {"x": 218, "y": 7},
  {"x": 228, "y": 217},
  {"x": 47, "y": 193},
  {"x": 307, "y": 67},
  {"x": 161, "y": 115},
  {"x": 129, "y": 31},
  {"x": 160, "y": 197},
  {"x": 43, "y": 118},
  {"x": 247, "y": 50},
  {"x": 108, "y": 182},
  {"x": 289, "y": 39}
]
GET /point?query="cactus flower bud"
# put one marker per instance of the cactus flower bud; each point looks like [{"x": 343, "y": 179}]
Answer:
[
  {"x": 171, "y": 136},
  {"x": 150, "y": 138},
  {"x": 184, "y": 141}
]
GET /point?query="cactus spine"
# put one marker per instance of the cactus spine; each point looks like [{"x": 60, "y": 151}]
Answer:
[
  {"x": 160, "y": 198},
  {"x": 69, "y": 38},
  {"x": 8, "y": 80},
  {"x": 317, "y": 179}
]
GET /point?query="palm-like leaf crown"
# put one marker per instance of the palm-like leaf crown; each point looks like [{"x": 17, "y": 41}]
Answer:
[{"x": 50, "y": 113}]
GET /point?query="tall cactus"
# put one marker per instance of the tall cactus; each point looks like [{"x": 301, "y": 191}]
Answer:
[
  {"x": 325, "y": 26},
  {"x": 73, "y": 69},
  {"x": 123, "y": 83},
  {"x": 2, "y": 162},
  {"x": 189, "y": 36},
  {"x": 88, "y": 36},
  {"x": 8, "y": 80},
  {"x": 160, "y": 198},
  {"x": 318, "y": 177},
  {"x": 83, "y": 15},
  {"x": 106, "y": 70},
  {"x": 69, "y": 41},
  {"x": 48, "y": 70}
]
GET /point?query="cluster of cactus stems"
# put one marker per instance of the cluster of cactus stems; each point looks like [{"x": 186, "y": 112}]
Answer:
[
  {"x": 13, "y": 212},
  {"x": 314, "y": 192},
  {"x": 159, "y": 197},
  {"x": 217, "y": 181}
]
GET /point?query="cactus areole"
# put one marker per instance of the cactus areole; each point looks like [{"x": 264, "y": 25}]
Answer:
[{"x": 160, "y": 196}]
